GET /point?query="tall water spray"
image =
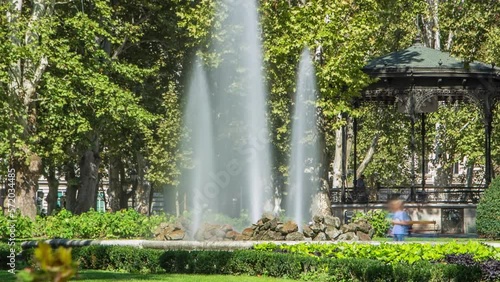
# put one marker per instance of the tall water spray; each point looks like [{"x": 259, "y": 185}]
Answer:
[
  {"x": 242, "y": 136},
  {"x": 198, "y": 142},
  {"x": 303, "y": 169}
]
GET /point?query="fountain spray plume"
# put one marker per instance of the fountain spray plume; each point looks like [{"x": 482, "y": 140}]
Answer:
[
  {"x": 198, "y": 142},
  {"x": 304, "y": 162},
  {"x": 241, "y": 122}
]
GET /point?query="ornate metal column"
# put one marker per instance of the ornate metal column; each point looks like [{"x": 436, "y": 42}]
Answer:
[
  {"x": 355, "y": 148},
  {"x": 355, "y": 145},
  {"x": 488, "y": 119},
  {"x": 344, "y": 159},
  {"x": 423, "y": 131},
  {"x": 412, "y": 145}
]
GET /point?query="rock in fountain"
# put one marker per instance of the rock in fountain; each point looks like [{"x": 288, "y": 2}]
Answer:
[{"x": 303, "y": 168}]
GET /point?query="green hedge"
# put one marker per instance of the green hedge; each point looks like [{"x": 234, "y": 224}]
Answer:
[
  {"x": 488, "y": 212},
  {"x": 89, "y": 225},
  {"x": 251, "y": 262}
]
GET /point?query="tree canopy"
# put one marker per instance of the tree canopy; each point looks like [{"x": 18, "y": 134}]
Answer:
[{"x": 94, "y": 90}]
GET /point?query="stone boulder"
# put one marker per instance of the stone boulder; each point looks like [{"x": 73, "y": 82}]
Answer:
[
  {"x": 295, "y": 236},
  {"x": 270, "y": 228},
  {"x": 320, "y": 237},
  {"x": 289, "y": 227},
  {"x": 363, "y": 236},
  {"x": 308, "y": 233},
  {"x": 216, "y": 232},
  {"x": 329, "y": 228},
  {"x": 332, "y": 221},
  {"x": 349, "y": 236},
  {"x": 247, "y": 232},
  {"x": 170, "y": 231},
  {"x": 332, "y": 233}
]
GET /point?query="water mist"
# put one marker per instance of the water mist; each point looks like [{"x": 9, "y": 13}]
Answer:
[{"x": 303, "y": 169}]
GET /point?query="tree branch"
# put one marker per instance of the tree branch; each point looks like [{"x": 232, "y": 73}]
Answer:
[{"x": 369, "y": 155}]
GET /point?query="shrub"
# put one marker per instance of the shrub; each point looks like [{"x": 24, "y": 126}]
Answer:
[
  {"x": 378, "y": 220},
  {"x": 251, "y": 262},
  {"x": 23, "y": 224},
  {"x": 488, "y": 212},
  {"x": 5, "y": 252},
  {"x": 388, "y": 253},
  {"x": 89, "y": 225},
  {"x": 491, "y": 270}
]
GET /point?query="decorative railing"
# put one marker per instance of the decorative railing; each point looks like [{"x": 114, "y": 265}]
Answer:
[{"x": 448, "y": 194}]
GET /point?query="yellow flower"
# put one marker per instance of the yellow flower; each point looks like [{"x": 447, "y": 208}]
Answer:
[{"x": 44, "y": 255}]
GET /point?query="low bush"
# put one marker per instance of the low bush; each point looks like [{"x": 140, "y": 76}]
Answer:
[
  {"x": 274, "y": 264},
  {"x": 489, "y": 268},
  {"x": 488, "y": 211},
  {"x": 388, "y": 253},
  {"x": 89, "y": 225},
  {"x": 23, "y": 226},
  {"x": 378, "y": 220}
]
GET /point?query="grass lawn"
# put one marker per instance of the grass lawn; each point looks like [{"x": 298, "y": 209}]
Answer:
[{"x": 104, "y": 276}]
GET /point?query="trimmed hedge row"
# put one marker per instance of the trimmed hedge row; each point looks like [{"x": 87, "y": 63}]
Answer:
[{"x": 250, "y": 262}]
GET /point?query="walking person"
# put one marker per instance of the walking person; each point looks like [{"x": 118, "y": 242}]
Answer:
[{"x": 401, "y": 221}]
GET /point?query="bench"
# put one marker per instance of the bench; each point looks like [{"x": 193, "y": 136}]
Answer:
[{"x": 432, "y": 223}]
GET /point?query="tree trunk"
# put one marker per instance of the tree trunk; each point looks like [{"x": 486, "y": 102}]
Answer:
[
  {"x": 26, "y": 185},
  {"x": 53, "y": 182},
  {"x": 321, "y": 203},
  {"x": 437, "y": 31},
  {"x": 115, "y": 187},
  {"x": 337, "y": 160},
  {"x": 24, "y": 75},
  {"x": 124, "y": 184},
  {"x": 89, "y": 179},
  {"x": 71, "y": 189},
  {"x": 143, "y": 188}
]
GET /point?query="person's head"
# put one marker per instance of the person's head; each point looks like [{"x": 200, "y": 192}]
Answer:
[
  {"x": 362, "y": 176},
  {"x": 390, "y": 206},
  {"x": 399, "y": 205}
]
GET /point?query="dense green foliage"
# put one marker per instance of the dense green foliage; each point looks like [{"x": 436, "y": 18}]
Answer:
[
  {"x": 90, "y": 225},
  {"x": 295, "y": 266},
  {"x": 388, "y": 253},
  {"x": 109, "y": 77},
  {"x": 378, "y": 220},
  {"x": 488, "y": 212}
]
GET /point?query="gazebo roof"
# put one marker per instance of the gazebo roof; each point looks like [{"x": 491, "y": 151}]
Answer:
[
  {"x": 429, "y": 74},
  {"x": 418, "y": 57}
]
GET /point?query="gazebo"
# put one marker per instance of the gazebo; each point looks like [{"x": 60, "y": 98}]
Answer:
[{"x": 417, "y": 79}]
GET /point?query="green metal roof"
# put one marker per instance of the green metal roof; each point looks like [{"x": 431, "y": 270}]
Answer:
[{"x": 418, "y": 56}]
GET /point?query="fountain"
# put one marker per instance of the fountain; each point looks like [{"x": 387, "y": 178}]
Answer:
[
  {"x": 196, "y": 179},
  {"x": 228, "y": 131},
  {"x": 228, "y": 151},
  {"x": 303, "y": 170},
  {"x": 241, "y": 130}
]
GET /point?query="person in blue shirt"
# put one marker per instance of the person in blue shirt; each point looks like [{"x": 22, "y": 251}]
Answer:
[
  {"x": 390, "y": 214},
  {"x": 401, "y": 221}
]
